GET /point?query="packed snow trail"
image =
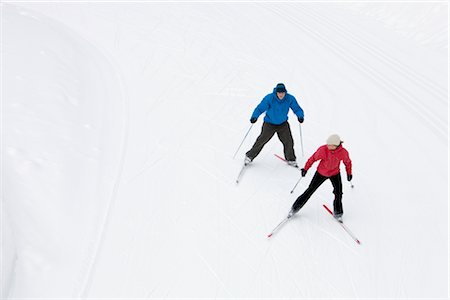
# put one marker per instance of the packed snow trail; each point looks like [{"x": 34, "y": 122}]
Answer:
[{"x": 177, "y": 225}]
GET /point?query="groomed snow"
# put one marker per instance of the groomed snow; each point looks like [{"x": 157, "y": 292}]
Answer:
[{"x": 119, "y": 125}]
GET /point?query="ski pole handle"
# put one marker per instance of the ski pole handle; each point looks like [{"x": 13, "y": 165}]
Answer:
[{"x": 243, "y": 141}]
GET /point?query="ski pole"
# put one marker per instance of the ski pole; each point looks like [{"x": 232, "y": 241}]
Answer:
[
  {"x": 301, "y": 138},
  {"x": 243, "y": 141},
  {"x": 296, "y": 184},
  {"x": 351, "y": 184}
]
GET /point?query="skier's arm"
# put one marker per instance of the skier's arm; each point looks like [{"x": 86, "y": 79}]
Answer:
[
  {"x": 297, "y": 109},
  {"x": 348, "y": 164},
  {"x": 262, "y": 107},
  {"x": 315, "y": 157}
]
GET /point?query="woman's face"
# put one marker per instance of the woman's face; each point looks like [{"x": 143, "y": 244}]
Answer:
[{"x": 331, "y": 147}]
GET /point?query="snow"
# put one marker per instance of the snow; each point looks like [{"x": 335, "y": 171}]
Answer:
[{"x": 119, "y": 125}]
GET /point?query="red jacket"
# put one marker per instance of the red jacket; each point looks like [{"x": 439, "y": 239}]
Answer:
[{"x": 330, "y": 161}]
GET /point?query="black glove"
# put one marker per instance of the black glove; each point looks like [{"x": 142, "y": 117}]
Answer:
[
  {"x": 349, "y": 177},
  {"x": 304, "y": 172},
  {"x": 253, "y": 120},
  {"x": 300, "y": 119}
]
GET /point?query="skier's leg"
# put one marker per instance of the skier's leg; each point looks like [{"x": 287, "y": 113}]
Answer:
[
  {"x": 337, "y": 191},
  {"x": 267, "y": 132},
  {"x": 316, "y": 181},
  {"x": 285, "y": 135}
]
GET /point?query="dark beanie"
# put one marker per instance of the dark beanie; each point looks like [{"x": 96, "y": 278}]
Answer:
[{"x": 280, "y": 88}]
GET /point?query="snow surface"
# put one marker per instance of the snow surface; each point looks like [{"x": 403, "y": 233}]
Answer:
[{"x": 119, "y": 125}]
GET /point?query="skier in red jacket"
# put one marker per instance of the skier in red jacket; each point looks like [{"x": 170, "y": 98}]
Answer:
[{"x": 330, "y": 156}]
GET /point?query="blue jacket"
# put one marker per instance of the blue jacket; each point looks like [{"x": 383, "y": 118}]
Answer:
[{"x": 276, "y": 109}]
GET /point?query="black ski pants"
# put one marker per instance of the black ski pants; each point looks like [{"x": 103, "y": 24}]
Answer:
[
  {"x": 314, "y": 185},
  {"x": 268, "y": 130}
]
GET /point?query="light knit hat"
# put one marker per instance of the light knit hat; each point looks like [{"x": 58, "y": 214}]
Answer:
[{"x": 334, "y": 139}]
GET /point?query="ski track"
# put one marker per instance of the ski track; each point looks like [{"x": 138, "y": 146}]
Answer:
[
  {"x": 256, "y": 190},
  {"x": 343, "y": 264},
  {"x": 398, "y": 93},
  {"x": 224, "y": 180},
  {"x": 312, "y": 272},
  {"x": 399, "y": 291},
  {"x": 416, "y": 78},
  {"x": 161, "y": 279},
  {"x": 147, "y": 167},
  {"x": 350, "y": 279},
  {"x": 211, "y": 269},
  {"x": 395, "y": 65},
  {"x": 84, "y": 290},
  {"x": 299, "y": 289},
  {"x": 130, "y": 252},
  {"x": 236, "y": 253},
  {"x": 304, "y": 236},
  {"x": 340, "y": 240},
  {"x": 302, "y": 229}
]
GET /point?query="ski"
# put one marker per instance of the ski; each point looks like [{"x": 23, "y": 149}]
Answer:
[
  {"x": 278, "y": 226},
  {"x": 241, "y": 172},
  {"x": 279, "y": 157},
  {"x": 286, "y": 161},
  {"x": 343, "y": 226},
  {"x": 293, "y": 167}
]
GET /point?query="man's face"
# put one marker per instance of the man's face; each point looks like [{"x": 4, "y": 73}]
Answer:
[{"x": 281, "y": 95}]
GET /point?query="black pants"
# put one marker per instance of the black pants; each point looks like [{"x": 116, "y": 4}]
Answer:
[
  {"x": 314, "y": 185},
  {"x": 284, "y": 134}
]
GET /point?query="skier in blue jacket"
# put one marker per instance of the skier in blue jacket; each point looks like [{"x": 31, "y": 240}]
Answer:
[{"x": 276, "y": 105}]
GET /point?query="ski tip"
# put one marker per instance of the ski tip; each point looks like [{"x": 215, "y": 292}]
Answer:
[
  {"x": 359, "y": 243},
  {"x": 269, "y": 235},
  {"x": 279, "y": 157}
]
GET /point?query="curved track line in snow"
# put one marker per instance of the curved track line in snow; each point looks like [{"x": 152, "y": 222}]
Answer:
[{"x": 84, "y": 291}]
